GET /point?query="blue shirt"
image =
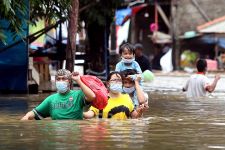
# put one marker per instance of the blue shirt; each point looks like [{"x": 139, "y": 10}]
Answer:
[{"x": 120, "y": 66}]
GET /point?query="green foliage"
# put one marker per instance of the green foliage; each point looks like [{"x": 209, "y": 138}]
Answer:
[
  {"x": 15, "y": 12},
  {"x": 100, "y": 10},
  {"x": 49, "y": 10}
]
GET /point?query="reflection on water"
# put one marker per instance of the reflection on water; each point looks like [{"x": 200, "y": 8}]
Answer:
[{"x": 173, "y": 122}]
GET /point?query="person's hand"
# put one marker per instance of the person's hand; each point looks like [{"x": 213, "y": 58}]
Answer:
[
  {"x": 135, "y": 77},
  {"x": 131, "y": 77},
  {"x": 217, "y": 77},
  {"x": 25, "y": 118},
  {"x": 140, "y": 110},
  {"x": 144, "y": 106},
  {"x": 138, "y": 77},
  {"x": 75, "y": 76}
]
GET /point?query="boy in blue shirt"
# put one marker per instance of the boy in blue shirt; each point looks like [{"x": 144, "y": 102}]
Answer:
[
  {"x": 131, "y": 86},
  {"x": 127, "y": 53}
]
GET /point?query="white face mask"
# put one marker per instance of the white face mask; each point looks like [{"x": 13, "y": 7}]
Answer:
[
  {"x": 115, "y": 87},
  {"x": 127, "y": 61},
  {"x": 62, "y": 86},
  {"x": 129, "y": 90}
]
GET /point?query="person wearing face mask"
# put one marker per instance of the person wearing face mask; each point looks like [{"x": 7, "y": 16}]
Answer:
[
  {"x": 127, "y": 53},
  {"x": 131, "y": 86},
  {"x": 66, "y": 103},
  {"x": 119, "y": 105}
]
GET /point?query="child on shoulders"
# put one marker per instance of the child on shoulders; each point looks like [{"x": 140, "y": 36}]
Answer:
[
  {"x": 131, "y": 86},
  {"x": 127, "y": 53}
]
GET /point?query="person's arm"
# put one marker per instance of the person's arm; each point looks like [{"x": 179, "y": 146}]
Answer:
[
  {"x": 139, "y": 91},
  {"x": 89, "y": 114},
  {"x": 138, "y": 112},
  {"x": 92, "y": 112},
  {"x": 118, "y": 67},
  {"x": 210, "y": 88},
  {"x": 89, "y": 94},
  {"x": 138, "y": 68},
  {"x": 135, "y": 113},
  {"x": 29, "y": 116},
  {"x": 40, "y": 112}
]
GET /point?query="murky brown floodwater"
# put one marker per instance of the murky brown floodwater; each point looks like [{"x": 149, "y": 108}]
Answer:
[{"x": 173, "y": 122}]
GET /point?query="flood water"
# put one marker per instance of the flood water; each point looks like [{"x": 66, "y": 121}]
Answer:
[{"x": 172, "y": 122}]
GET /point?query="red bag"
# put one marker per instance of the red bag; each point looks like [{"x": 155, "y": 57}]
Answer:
[{"x": 96, "y": 85}]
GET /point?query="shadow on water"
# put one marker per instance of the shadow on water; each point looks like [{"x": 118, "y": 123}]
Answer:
[{"x": 172, "y": 122}]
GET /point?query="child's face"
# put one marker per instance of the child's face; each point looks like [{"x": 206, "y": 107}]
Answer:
[
  {"x": 115, "y": 84},
  {"x": 128, "y": 83},
  {"x": 127, "y": 54},
  {"x": 115, "y": 78}
]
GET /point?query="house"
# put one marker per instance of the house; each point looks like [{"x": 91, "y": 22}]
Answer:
[{"x": 175, "y": 18}]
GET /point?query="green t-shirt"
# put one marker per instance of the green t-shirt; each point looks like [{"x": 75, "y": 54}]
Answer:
[{"x": 60, "y": 106}]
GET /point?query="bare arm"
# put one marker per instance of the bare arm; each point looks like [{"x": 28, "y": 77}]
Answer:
[
  {"x": 29, "y": 116},
  {"x": 138, "y": 112},
  {"x": 140, "y": 93},
  {"x": 90, "y": 95},
  {"x": 210, "y": 88}
]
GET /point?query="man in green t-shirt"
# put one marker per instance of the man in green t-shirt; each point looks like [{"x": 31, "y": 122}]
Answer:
[{"x": 66, "y": 103}]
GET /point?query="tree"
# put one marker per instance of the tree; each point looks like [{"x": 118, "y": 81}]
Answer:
[
  {"x": 97, "y": 17},
  {"x": 72, "y": 30},
  {"x": 15, "y": 13}
]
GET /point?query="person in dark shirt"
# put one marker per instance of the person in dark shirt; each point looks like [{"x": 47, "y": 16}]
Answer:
[{"x": 141, "y": 58}]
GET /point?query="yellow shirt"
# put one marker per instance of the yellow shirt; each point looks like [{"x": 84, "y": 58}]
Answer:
[{"x": 117, "y": 108}]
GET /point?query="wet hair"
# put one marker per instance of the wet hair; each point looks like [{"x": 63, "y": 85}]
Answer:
[
  {"x": 127, "y": 46},
  {"x": 112, "y": 73},
  {"x": 201, "y": 65},
  {"x": 138, "y": 46},
  {"x": 63, "y": 72}
]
